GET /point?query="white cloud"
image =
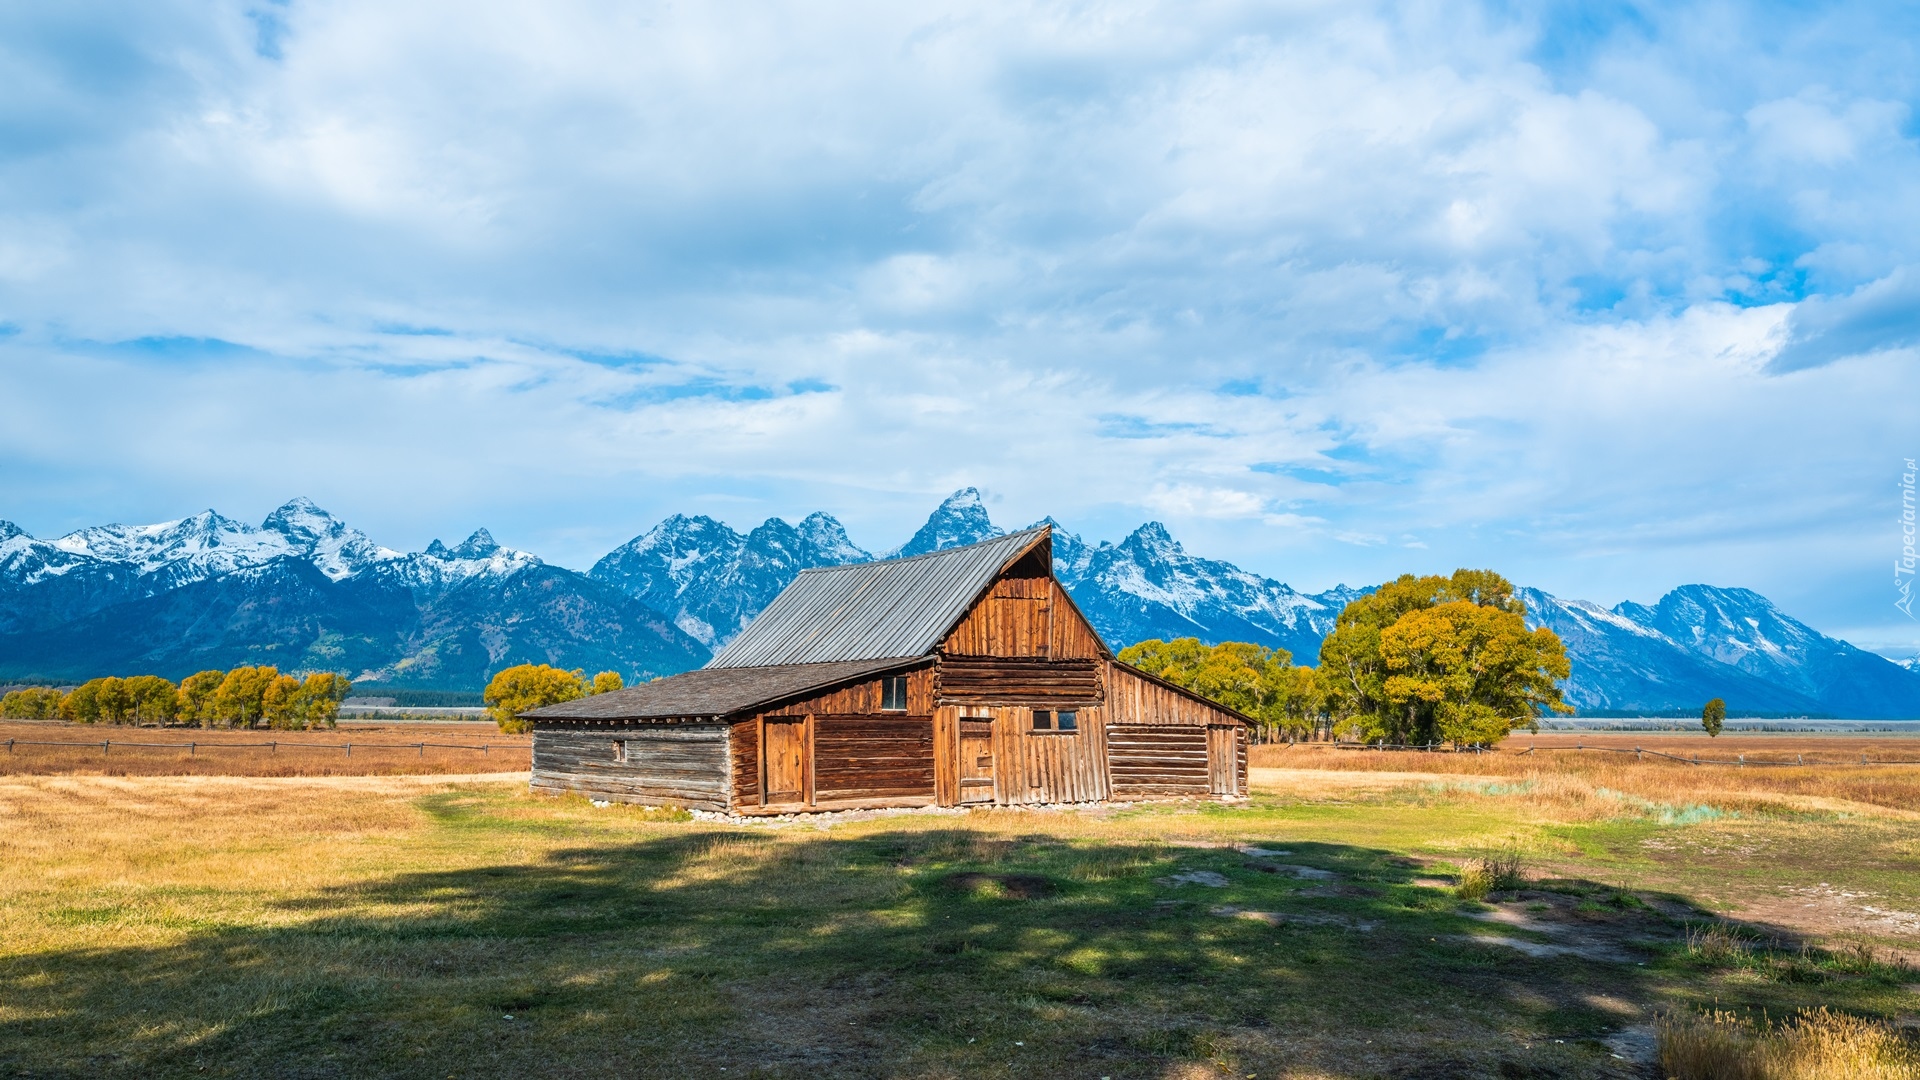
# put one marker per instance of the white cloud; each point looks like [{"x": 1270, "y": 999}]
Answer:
[{"x": 1300, "y": 277}]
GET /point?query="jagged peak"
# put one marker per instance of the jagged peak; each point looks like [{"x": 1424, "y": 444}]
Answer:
[
  {"x": 967, "y": 498},
  {"x": 960, "y": 519},
  {"x": 1154, "y": 535},
  {"x": 8, "y": 530},
  {"x": 478, "y": 546},
  {"x": 438, "y": 550},
  {"x": 301, "y": 519}
]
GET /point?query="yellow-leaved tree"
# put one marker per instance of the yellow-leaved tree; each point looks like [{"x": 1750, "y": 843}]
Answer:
[
  {"x": 320, "y": 698},
  {"x": 32, "y": 703},
  {"x": 238, "y": 701},
  {"x": 517, "y": 689},
  {"x": 1434, "y": 659},
  {"x": 606, "y": 683},
  {"x": 196, "y": 697},
  {"x": 152, "y": 700},
  {"x": 280, "y": 704}
]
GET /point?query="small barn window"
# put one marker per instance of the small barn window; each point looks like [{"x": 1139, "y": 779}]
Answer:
[
  {"x": 1068, "y": 720},
  {"x": 1042, "y": 720},
  {"x": 619, "y": 749},
  {"x": 893, "y": 693}
]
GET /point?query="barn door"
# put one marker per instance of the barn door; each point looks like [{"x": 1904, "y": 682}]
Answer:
[
  {"x": 1223, "y": 759},
  {"x": 976, "y": 759},
  {"x": 784, "y": 760}
]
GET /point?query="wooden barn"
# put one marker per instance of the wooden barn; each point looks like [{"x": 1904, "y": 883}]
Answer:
[{"x": 961, "y": 677}]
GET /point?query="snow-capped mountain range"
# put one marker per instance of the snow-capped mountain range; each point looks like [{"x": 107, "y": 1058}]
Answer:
[{"x": 305, "y": 591}]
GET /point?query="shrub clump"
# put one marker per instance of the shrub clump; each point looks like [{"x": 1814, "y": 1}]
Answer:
[{"x": 1817, "y": 1044}]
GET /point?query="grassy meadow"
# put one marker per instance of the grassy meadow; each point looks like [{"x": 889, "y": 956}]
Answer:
[{"x": 429, "y": 926}]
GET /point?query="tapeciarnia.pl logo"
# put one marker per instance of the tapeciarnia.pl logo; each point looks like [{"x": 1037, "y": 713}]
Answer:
[{"x": 1903, "y": 566}]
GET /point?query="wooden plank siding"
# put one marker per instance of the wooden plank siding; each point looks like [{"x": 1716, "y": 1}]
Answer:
[
  {"x": 1147, "y": 760},
  {"x": 1135, "y": 699},
  {"x": 1049, "y": 766},
  {"x": 993, "y": 680},
  {"x": 1024, "y": 617},
  {"x": 662, "y": 764},
  {"x": 861, "y": 698},
  {"x": 745, "y": 759},
  {"x": 886, "y": 757}
]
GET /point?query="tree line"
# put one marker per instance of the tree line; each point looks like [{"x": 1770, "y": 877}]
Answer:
[
  {"x": 517, "y": 689},
  {"x": 241, "y": 698},
  {"x": 1420, "y": 660}
]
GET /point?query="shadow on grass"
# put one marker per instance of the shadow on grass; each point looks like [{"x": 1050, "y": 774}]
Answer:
[{"x": 937, "y": 952}]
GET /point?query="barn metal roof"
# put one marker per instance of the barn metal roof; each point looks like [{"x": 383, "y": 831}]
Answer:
[
  {"x": 898, "y": 607},
  {"x": 716, "y": 692}
]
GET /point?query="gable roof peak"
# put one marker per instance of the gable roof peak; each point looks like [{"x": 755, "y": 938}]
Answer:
[{"x": 874, "y": 610}]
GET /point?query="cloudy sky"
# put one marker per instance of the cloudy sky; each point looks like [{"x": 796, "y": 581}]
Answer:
[{"x": 1610, "y": 297}]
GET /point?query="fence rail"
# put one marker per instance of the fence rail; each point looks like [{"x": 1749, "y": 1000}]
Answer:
[
  {"x": 1639, "y": 753},
  {"x": 271, "y": 746}
]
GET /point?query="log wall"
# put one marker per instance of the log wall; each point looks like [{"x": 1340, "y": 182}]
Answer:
[
  {"x": 663, "y": 764},
  {"x": 1157, "y": 760},
  {"x": 885, "y": 758},
  {"x": 993, "y": 680}
]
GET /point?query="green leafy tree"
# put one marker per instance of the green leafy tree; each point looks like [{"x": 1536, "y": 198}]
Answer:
[
  {"x": 1449, "y": 674},
  {"x": 280, "y": 704},
  {"x": 606, "y": 683},
  {"x": 1714, "y": 717},
  {"x": 320, "y": 696},
  {"x": 517, "y": 689},
  {"x": 32, "y": 703},
  {"x": 1259, "y": 682},
  {"x": 82, "y": 703},
  {"x": 240, "y": 698},
  {"x": 197, "y": 693},
  {"x": 152, "y": 700}
]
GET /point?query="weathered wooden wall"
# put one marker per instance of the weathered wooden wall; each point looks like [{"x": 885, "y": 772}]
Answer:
[
  {"x": 1134, "y": 699},
  {"x": 745, "y": 760},
  {"x": 866, "y": 759},
  {"x": 1149, "y": 760},
  {"x": 1049, "y": 766},
  {"x": 1030, "y": 681},
  {"x": 665, "y": 765},
  {"x": 862, "y": 698},
  {"x": 1024, "y": 617}
]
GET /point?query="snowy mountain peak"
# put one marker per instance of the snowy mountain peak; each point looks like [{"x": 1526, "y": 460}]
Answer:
[
  {"x": 301, "y": 521},
  {"x": 8, "y": 530},
  {"x": 438, "y": 550},
  {"x": 1154, "y": 537},
  {"x": 825, "y": 535},
  {"x": 478, "y": 546},
  {"x": 961, "y": 519}
]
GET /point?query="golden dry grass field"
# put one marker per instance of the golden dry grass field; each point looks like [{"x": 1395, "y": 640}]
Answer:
[
  {"x": 378, "y": 749},
  {"x": 346, "y": 926}
]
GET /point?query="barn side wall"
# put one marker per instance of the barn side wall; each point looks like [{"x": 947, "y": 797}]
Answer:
[
  {"x": 1162, "y": 743},
  {"x": 653, "y": 764}
]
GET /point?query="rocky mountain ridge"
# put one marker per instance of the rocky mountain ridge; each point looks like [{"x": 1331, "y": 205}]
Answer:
[{"x": 305, "y": 591}]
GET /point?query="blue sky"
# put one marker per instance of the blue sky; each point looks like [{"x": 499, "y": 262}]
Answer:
[{"x": 1610, "y": 297}]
